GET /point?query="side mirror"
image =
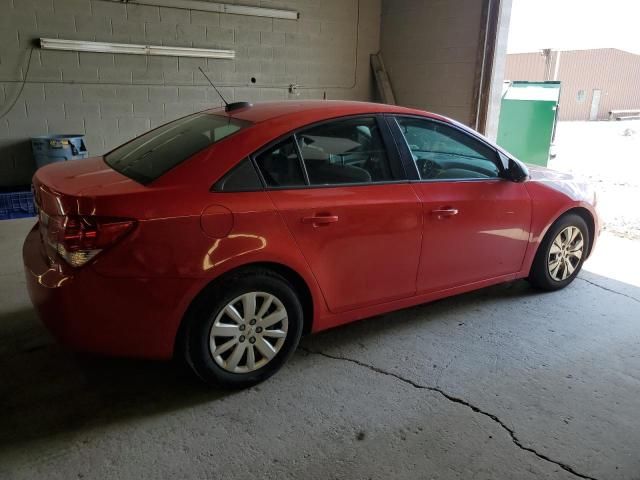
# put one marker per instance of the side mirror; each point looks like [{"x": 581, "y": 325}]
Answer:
[{"x": 516, "y": 171}]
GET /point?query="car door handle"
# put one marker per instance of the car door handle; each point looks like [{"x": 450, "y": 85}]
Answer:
[
  {"x": 320, "y": 219},
  {"x": 444, "y": 212}
]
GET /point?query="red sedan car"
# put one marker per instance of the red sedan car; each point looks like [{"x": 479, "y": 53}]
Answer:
[{"x": 226, "y": 235}]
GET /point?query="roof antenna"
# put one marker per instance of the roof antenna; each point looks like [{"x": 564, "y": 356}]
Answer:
[
  {"x": 228, "y": 107},
  {"x": 226, "y": 104}
]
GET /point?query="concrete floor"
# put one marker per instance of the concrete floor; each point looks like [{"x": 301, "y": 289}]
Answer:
[{"x": 501, "y": 383}]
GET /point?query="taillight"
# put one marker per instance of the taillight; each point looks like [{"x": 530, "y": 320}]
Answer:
[{"x": 78, "y": 239}]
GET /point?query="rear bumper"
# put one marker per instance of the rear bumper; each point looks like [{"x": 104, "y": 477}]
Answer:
[{"x": 88, "y": 312}]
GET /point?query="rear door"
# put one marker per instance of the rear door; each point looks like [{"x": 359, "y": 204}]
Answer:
[
  {"x": 343, "y": 195},
  {"x": 476, "y": 223}
]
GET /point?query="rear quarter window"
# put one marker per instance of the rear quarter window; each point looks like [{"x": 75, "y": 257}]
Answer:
[
  {"x": 149, "y": 156},
  {"x": 242, "y": 178}
]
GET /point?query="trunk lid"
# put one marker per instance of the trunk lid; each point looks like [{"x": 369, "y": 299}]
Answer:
[{"x": 72, "y": 187}]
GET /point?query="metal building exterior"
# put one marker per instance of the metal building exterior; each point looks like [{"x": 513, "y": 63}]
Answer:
[{"x": 594, "y": 82}]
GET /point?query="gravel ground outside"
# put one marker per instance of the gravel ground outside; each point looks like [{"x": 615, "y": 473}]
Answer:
[{"x": 608, "y": 155}]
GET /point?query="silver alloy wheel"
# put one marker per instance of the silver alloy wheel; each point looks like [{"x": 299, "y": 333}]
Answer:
[
  {"x": 248, "y": 332},
  {"x": 565, "y": 253}
]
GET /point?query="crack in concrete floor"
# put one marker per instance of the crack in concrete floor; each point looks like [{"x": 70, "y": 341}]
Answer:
[
  {"x": 458, "y": 400},
  {"x": 608, "y": 289}
]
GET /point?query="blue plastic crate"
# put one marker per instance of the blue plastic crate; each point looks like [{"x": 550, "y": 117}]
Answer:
[{"x": 16, "y": 205}]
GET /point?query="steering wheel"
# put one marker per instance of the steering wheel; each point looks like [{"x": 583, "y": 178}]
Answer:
[{"x": 430, "y": 169}]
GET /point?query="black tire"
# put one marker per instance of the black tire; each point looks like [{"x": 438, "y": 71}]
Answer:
[
  {"x": 540, "y": 276},
  {"x": 202, "y": 315}
]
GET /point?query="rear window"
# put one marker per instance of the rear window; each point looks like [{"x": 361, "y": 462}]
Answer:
[{"x": 149, "y": 156}]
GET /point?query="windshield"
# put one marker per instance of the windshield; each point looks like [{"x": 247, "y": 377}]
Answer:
[{"x": 149, "y": 156}]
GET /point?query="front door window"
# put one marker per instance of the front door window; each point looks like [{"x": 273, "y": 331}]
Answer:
[{"x": 442, "y": 152}]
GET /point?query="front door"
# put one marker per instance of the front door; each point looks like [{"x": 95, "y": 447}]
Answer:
[
  {"x": 476, "y": 223},
  {"x": 356, "y": 220}
]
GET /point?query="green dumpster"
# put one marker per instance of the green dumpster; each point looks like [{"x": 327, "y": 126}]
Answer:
[{"x": 528, "y": 116}]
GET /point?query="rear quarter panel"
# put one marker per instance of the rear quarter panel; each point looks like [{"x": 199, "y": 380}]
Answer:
[{"x": 177, "y": 246}]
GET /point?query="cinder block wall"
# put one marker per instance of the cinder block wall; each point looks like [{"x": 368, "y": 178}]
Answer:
[
  {"x": 112, "y": 98},
  {"x": 431, "y": 51}
]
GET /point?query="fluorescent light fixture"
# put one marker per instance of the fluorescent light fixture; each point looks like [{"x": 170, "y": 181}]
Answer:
[
  {"x": 220, "y": 8},
  {"x": 133, "y": 49}
]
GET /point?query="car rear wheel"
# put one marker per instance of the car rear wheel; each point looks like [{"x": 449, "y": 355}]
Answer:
[
  {"x": 242, "y": 331},
  {"x": 561, "y": 254}
]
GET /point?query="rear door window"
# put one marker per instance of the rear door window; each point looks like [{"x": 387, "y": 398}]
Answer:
[
  {"x": 280, "y": 165},
  {"x": 345, "y": 151},
  {"x": 149, "y": 156}
]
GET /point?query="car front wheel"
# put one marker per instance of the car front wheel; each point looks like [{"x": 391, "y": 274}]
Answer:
[
  {"x": 561, "y": 254},
  {"x": 243, "y": 331}
]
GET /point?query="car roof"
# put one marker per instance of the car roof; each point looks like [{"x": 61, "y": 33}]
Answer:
[{"x": 314, "y": 110}]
